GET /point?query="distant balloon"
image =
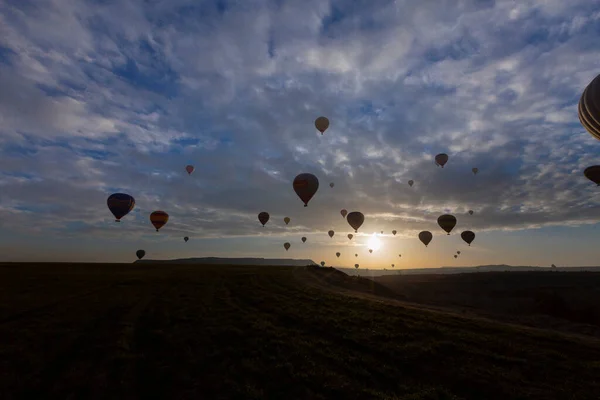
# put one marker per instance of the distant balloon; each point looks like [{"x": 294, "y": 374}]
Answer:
[
  {"x": 159, "y": 219},
  {"x": 470, "y": 212},
  {"x": 189, "y": 169},
  {"x": 322, "y": 123},
  {"x": 553, "y": 266},
  {"x": 593, "y": 174},
  {"x": 186, "y": 239},
  {"x": 399, "y": 255},
  {"x": 303, "y": 239},
  {"x": 322, "y": 263},
  {"x": 425, "y": 237},
  {"x": 140, "y": 254},
  {"x": 393, "y": 265},
  {"x": 305, "y": 186},
  {"x": 263, "y": 217},
  {"x": 411, "y": 182},
  {"x": 370, "y": 250},
  {"x": 338, "y": 254},
  {"x": 286, "y": 220},
  {"x": 455, "y": 256},
  {"x": 356, "y": 255},
  {"x": 441, "y": 159},
  {"x": 382, "y": 232},
  {"x": 475, "y": 170},
  {"x": 120, "y": 204},
  {"x": 356, "y": 266},
  {"x": 287, "y": 246},
  {"x": 331, "y": 233},
  {"x": 457, "y": 251},
  {"x": 344, "y": 212},
  {"x": 394, "y": 232},
  {"x": 331, "y": 185},
  {"x": 468, "y": 237},
  {"x": 350, "y": 236},
  {"x": 355, "y": 219},
  {"x": 447, "y": 222}
]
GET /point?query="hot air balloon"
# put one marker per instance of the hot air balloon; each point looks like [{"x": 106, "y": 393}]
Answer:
[
  {"x": 140, "y": 254},
  {"x": 425, "y": 237},
  {"x": 331, "y": 185},
  {"x": 189, "y": 169},
  {"x": 305, "y": 186},
  {"x": 120, "y": 204},
  {"x": 394, "y": 232},
  {"x": 447, "y": 222},
  {"x": 411, "y": 182},
  {"x": 457, "y": 251},
  {"x": 355, "y": 219},
  {"x": 455, "y": 256},
  {"x": 321, "y": 123},
  {"x": 287, "y": 246},
  {"x": 263, "y": 217},
  {"x": 393, "y": 265},
  {"x": 338, "y": 254},
  {"x": 303, "y": 239},
  {"x": 470, "y": 212},
  {"x": 159, "y": 219},
  {"x": 286, "y": 220},
  {"x": 331, "y": 233},
  {"x": 475, "y": 170},
  {"x": 185, "y": 239},
  {"x": 322, "y": 263},
  {"x": 399, "y": 255},
  {"x": 356, "y": 255},
  {"x": 589, "y": 108},
  {"x": 344, "y": 212},
  {"x": 356, "y": 266},
  {"x": 468, "y": 237},
  {"x": 553, "y": 266},
  {"x": 441, "y": 159},
  {"x": 350, "y": 236},
  {"x": 593, "y": 174},
  {"x": 370, "y": 250},
  {"x": 382, "y": 232}
]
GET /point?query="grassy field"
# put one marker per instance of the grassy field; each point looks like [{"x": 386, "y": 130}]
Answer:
[{"x": 115, "y": 331}]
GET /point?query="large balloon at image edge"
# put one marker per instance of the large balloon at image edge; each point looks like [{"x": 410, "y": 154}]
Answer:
[
  {"x": 425, "y": 237},
  {"x": 263, "y": 217},
  {"x": 159, "y": 219},
  {"x": 441, "y": 159},
  {"x": 140, "y": 254},
  {"x": 120, "y": 204},
  {"x": 589, "y": 108},
  {"x": 593, "y": 174},
  {"x": 468, "y": 236},
  {"x": 447, "y": 222},
  {"x": 305, "y": 186},
  {"x": 287, "y": 246},
  {"x": 189, "y": 169},
  {"x": 322, "y": 123},
  {"x": 355, "y": 219}
]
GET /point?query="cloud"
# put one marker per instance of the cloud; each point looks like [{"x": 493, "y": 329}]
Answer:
[{"x": 119, "y": 96}]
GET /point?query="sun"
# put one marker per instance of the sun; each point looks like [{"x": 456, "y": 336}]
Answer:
[{"x": 374, "y": 243}]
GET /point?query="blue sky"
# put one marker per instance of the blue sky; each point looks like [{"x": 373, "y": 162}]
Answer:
[{"x": 105, "y": 96}]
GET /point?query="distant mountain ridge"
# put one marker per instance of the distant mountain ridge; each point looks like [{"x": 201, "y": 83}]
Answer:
[
  {"x": 233, "y": 261},
  {"x": 462, "y": 270}
]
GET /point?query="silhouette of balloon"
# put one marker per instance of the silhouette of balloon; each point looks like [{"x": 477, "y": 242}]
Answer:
[
  {"x": 305, "y": 186},
  {"x": 120, "y": 204}
]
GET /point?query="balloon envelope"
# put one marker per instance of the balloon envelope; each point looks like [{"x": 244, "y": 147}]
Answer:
[
  {"x": 441, "y": 159},
  {"x": 447, "y": 222},
  {"x": 425, "y": 237},
  {"x": 356, "y": 266},
  {"x": 457, "y": 251},
  {"x": 159, "y": 219},
  {"x": 394, "y": 232},
  {"x": 355, "y": 219},
  {"x": 593, "y": 174},
  {"x": 470, "y": 212},
  {"x": 305, "y": 186},
  {"x": 344, "y": 212},
  {"x": 303, "y": 239},
  {"x": 331, "y": 185},
  {"x": 356, "y": 255},
  {"x": 322, "y": 263},
  {"x": 189, "y": 169},
  {"x": 468, "y": 236},
  {"x": 589, "y": 108},
  {"x": 286, "y": 220},
  {"x": 338, "y": 254},
  {"x": 331, "y": 233},
  {"x": 120, "y": 204},
  {"x": 455, "y": 256},
  {"x": 140, "y": 254},
  {"x": 370, "y": 250},
  {"x": 186, "y": 238},
  {"x": 350, "y": 236},
  {"x": 411, "y": 182},
  {"x": 263, "y": 217},
  {"x": 287, "y": 246},
  {"x": 322, "y": 123}
]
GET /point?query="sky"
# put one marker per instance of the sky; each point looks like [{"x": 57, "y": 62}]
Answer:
[{"x": 101, "y": 96}]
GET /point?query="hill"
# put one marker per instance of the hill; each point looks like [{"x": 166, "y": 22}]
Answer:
[
  {"x": 461, "y": 270},
  {"x": 232, "y": 261},
  {"x": 254, "y": 332}
]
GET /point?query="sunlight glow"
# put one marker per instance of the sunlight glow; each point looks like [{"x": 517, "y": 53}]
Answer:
[{"x": 374, "y": 243}]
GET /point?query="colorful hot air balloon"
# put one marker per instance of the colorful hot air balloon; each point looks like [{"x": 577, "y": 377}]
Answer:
[
  {"x": 356, "y": 266},
  {"x": 470, "y": 212},
  {"x": 186, "y": 239},
  {"x": 338, "y": 254},
  {"x": 475, "y": 170},
  {"x": 331, "y": 185},
  {"x": 441, "y": 159},
  {"x": 350, "y": 236},
  {"x": 120, "y": 204},
  {"x": 263, "y": 217},
  {"x": 321, "y": 123},
  {"x": 159, "y": 219},
  {"x": 322, "y": 263},
  {"x": 589, "y": 108},
  {"x": 344, "y": 212},
  {"x": 287, "y": 246},
  {"x": 394, "y": 232},
  {"x": 303, "y": 239},
  {"x": 331, "y": 233},
  {"x": 411, "y": 182},
  {"x": 447, "y": 222},
  {"x": 593, "y": 174},
  {"x": 189, "y": 169},
  {"x": 370, "y": 250},
  {"x": 425, "y": 237},
  {"x": 355, "y": 219},
  {"x": 140, "y": 254},
  {"x": 305, "y": 186},
  {"x": 286, "y": 220},
  {"x": 468, "y": 237}
]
